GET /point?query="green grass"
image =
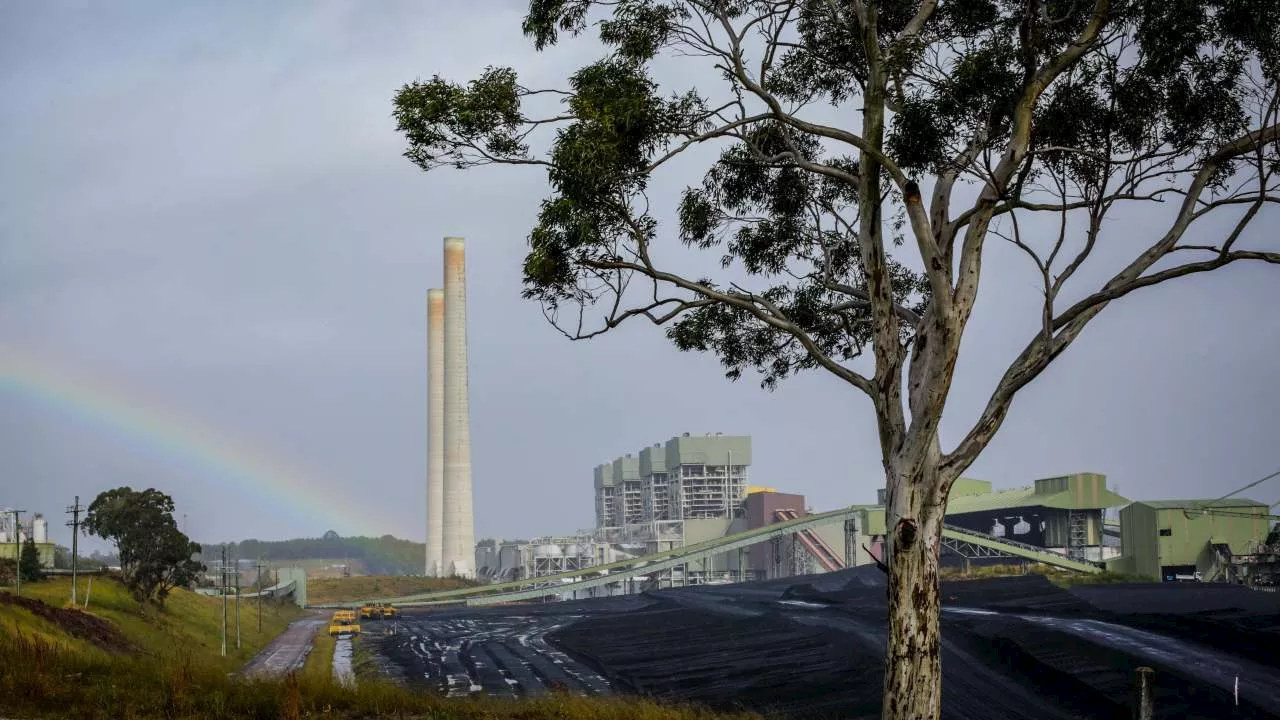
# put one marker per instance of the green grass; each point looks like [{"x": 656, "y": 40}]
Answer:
[
  {"x": 319, "y": 665},
  {"x": 371, "y": 587},
  {"x": 174, "y": 672},
  {"x": 1059, "y": 577},
  {"x": 41, "y": 680},
  {"x": 187, "y": 621}
]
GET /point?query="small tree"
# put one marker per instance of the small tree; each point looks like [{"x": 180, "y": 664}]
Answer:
[
  {"x": 849, "y": 132},
  {"x": 29, "y": 564},
  {"x": 154, "y": 555}
]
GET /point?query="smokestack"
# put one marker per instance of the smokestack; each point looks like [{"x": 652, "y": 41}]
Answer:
[
  {"x": 459, "y": 521},
  {"x": 435, "y": 433}
]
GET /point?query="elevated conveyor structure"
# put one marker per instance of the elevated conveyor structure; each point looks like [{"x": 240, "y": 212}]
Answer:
[
  {"x": 814, "y": 543},
  {"x": 956, "y": 539}
]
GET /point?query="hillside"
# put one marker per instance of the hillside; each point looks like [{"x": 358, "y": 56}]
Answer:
[
  {"x": 121, "y": 660},
  {"x": 332, "y": 590},
  {"x": 189, "y": 624},
  {"x": 386, "y": 555}
]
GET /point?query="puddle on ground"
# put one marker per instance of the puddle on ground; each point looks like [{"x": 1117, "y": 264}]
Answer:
[{"x": 342, "y": 655}]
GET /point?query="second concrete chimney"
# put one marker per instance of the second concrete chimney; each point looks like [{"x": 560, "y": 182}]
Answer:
[{"x": 435, "y": 433}]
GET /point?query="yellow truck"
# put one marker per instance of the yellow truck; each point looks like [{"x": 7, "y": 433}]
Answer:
[
  {"x": 344, "y": 623},
  {"x": 370, "y": 612},
  {"x": 389, "y": 612}
]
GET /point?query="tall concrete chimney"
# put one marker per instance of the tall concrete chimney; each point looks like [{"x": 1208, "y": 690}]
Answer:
[
  {"x": 435, "y": 433},
  {"x": 459, "y": 521}
]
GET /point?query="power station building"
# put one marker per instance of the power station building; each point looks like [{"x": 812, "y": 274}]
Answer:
[
  {"x": 13, "y": 537},
  {"x": 693, "y": 490},
  {"x": 689, "y": 477}
]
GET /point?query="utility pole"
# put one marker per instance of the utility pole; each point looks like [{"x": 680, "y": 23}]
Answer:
[
  {"x": 17, "y": 552},
  {"x": 222, "y": 571},
  {"x": 260, "y": 565},
  {"x": 237, "y": 571},
  {"x": 74, "y": 511}
]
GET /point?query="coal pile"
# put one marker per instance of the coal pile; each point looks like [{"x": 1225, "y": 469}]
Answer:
[{"x": 1015, "y": 647}]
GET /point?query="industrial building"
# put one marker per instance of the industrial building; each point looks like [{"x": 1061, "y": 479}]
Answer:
[
  {"x": 1064, "y": 514},
  {"x": 1224, "y": 540},
  {"x": 12, "y": 537},
  {"x": 681, "y": 494}
]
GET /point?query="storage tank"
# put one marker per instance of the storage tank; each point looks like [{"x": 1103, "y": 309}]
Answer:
[{"x": 40, "y": 529}]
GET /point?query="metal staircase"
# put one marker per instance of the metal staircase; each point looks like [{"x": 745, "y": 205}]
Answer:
[
  {"x": 1077, "y": 534},
  {"x": 817, "y": 547}
]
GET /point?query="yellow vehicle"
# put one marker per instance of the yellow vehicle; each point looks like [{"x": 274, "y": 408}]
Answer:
[
  {"x": 344, "y": 623},
  {"x": 369, "y": 612},
  {"x": 389, "y": 611}
]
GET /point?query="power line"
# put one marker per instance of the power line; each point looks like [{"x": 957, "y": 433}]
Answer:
[
  {"x": 1211, "y": 503},
  {"x": 74, "y": 511}
]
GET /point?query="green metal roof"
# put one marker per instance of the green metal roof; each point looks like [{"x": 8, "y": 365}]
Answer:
[
  {"x": 1028, "y": 497},
  {"x": 1208, "y": 503}
]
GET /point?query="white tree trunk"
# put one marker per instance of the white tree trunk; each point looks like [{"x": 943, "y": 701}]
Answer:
[{"x": 913, "y": 671}]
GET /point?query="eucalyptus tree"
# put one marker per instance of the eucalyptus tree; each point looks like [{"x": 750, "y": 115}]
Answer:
[{"x": 868, "y": 152}]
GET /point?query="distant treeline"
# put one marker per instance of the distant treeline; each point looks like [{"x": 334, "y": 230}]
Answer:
[{"x": 386, "y": 555}]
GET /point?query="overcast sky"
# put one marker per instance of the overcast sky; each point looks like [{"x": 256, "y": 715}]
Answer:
[{"x": 203, "y": 207}]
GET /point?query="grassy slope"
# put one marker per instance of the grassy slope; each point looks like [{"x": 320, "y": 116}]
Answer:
[
  {"x": 319, "y": 665},
  {"x": 329, "y": 590},
  {"x": 189, "y": 623}
]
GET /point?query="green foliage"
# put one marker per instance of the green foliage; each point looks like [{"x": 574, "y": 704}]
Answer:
[
  {"x": 29, "y": 564},
  {"x": 155, "y": 556},
  {"x": 386, "y": 555},
  {"x": 796, "y": 218},
  {"x": 62, "y": 560}
]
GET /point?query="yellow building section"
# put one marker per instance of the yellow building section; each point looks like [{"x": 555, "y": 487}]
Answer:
[{"x": 753, "y": 489}]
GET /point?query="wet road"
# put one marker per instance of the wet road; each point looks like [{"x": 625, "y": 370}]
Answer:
[
  {"x": 287, "y": 652},
  {"x": 494, "y": 654}
]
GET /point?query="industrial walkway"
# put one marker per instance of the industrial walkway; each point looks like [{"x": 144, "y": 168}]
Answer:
[{"x": 607, "y": 574}]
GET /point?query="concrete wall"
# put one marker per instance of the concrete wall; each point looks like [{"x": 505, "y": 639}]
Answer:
[
  {"x": 11, "y": 551},
  {"x": 708, "y": 450},
  {"x": 1154, "y": 536},
  {"x": 1187, "y": 541},
  {"x": 703, "y": 529},
  {"x": 1138, "y": 541},
  {"x": 760, "y": 509}
]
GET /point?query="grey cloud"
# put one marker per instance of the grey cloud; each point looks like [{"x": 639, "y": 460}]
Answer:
[{"x": 208, "y": 203}]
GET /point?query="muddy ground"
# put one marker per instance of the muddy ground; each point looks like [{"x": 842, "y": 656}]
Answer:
[
  {"x": 813, "y": 648},
  {"x": 76, "y": 623}
]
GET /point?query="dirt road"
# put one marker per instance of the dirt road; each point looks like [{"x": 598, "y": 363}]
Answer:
[{"x": 287, "y": 652}]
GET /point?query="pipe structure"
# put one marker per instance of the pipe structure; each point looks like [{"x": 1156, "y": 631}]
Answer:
[
  {"x": 435, "y": 433},
  {"x": 459, "y": 520}
]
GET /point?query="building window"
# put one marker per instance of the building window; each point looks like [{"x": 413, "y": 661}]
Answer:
[{"x": 1166, "y": 532}]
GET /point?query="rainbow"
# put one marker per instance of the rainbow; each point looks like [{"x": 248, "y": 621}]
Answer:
[{"x": 78, "y": 394}]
